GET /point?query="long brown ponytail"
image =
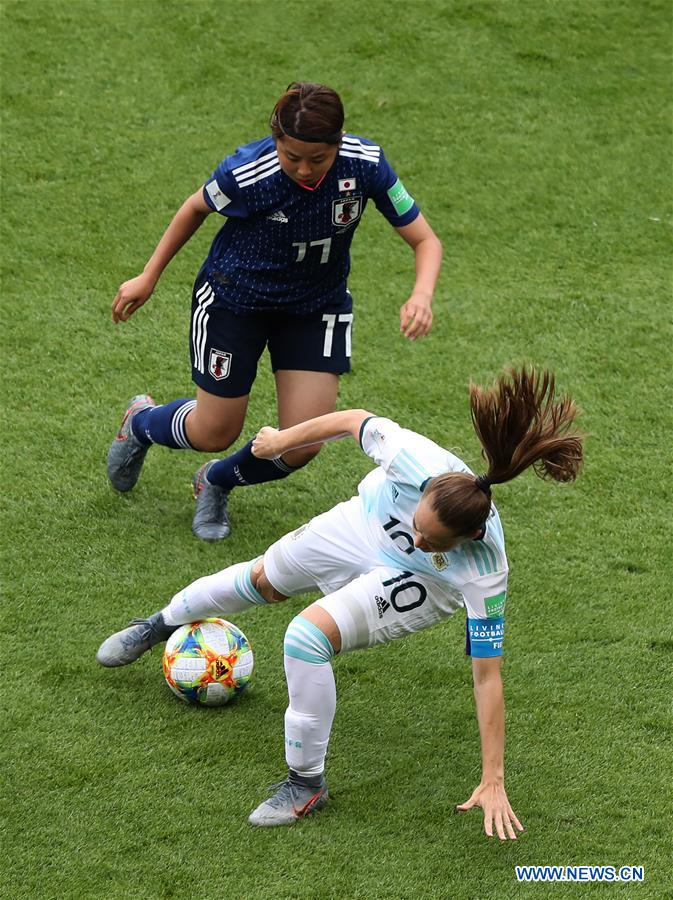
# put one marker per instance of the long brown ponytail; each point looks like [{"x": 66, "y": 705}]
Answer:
[{"x": 519, "y": 424}]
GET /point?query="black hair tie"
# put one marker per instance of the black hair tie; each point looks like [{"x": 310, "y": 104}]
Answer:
[
  {"x": 483, "y": 483},
  {"x": 333, "y": 138}
]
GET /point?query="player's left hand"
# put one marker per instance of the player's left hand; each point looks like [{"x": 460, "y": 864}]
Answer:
[
  {"x": 492, "y": 798},
  {"x": 266, "y": 443},
  {"x": 416, "y": 316}
]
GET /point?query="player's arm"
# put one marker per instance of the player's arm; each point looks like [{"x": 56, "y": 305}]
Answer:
[
  {"x": 416, "y": 313},
  {"x": 490, "y": 794},
  {"x": 133, "y": 293},
  {"x": 270, "y": 443}
]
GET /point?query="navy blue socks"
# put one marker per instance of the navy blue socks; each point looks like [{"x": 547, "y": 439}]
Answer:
[
  {"x": 242, "y": 468},
  {"x": 164, "y": 424}
]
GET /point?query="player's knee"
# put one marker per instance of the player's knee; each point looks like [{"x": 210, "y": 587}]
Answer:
[
  {"x": 263, "y": 585},
  {"x": 307, "y": 641},
  {"x": 215, "y": 444},
  {"x": 210, "y": 437}
]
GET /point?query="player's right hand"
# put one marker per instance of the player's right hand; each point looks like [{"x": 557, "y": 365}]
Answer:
[
  {"x": 266, "y": 443},
  {"x": 131, "y": 296}
]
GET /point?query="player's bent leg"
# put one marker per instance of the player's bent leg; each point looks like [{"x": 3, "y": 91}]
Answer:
[
  {"x": 301, "y": 396},
  {"x": 324, "y": 621},
  {"x": 224, "y": 593},
  {"x": 215, "y": 422},
  {"x": 308, "y": 722},
  {"x": 313, "y": 394},
  {"x": 207, "y": 423},
  {"x": 230, "y": 591},
  {"x": 376, "y": 607}
]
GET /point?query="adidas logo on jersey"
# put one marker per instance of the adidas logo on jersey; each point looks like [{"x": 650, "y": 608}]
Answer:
[
  {"x": 382, "y": 605},
  {"x": 278, "y": 216},
  {"x": 395, "y": 493}
]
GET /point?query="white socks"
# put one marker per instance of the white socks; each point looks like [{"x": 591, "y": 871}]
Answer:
[
  {"x": 225, "y": 592},
  {"x": 310, "y": 682}
]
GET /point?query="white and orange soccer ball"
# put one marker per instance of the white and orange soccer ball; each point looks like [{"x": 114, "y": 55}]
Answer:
[{"x": 208, "y": 663}]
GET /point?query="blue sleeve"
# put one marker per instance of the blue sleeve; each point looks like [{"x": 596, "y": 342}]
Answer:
[
  {"x": 391, "y": 197},
  {"x": 222, "y": 194}
]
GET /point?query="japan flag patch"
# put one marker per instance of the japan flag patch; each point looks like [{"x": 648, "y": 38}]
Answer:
[
  {"x": 346, "y": 212},
  {"x": 346, "y": 184},
  {"x": 219, "y": 364}
]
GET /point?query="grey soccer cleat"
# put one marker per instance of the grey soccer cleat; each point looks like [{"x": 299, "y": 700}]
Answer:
[
  {"x": 291, "y": 801},
  {"x": 211, "y": 520},
  {"x": 126, "y": 454},
  {"x": 128, "y": 645}
]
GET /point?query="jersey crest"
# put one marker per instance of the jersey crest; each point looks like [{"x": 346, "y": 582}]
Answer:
[
  {"x": 219, "y": 364},
  {"x": 346, "y": 212},
  {"x": 439, "y": 561}
]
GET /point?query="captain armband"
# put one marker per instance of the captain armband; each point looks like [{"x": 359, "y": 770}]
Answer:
[{"x": 484, "y": 637}]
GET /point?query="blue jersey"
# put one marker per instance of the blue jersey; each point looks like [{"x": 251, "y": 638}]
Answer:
[{"x": 286, "y": 248}]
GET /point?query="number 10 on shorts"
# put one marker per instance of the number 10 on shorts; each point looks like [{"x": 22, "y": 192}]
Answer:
[{"x": 330, "y": 320}]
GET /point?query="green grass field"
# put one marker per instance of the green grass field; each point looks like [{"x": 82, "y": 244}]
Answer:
[{"x": 536, "y": 136}]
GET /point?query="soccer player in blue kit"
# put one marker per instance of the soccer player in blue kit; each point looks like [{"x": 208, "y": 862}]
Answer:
[
  {"x": 276, "y": 276},
  {"x": 420, "y": 540}
]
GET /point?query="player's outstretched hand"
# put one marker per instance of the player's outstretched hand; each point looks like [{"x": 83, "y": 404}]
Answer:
[
  {"x": 492, "y": 798},
  {"x": 266, "y": 443},
  {"x": 131, "y": 296},
  {"x": 416, "y": 317}
]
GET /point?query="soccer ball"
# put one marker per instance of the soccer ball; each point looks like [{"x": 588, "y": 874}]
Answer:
[{"x": 208, "y": 663}]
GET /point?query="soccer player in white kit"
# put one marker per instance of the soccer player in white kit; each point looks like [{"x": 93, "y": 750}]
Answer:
[{"x": 420, "y": 540}]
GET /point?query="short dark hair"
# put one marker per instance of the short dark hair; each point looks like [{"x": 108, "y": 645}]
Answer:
[{"x": 308, "y": 111}]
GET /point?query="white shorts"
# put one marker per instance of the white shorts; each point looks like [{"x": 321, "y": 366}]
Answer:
[{"x": 371, "y": 602}]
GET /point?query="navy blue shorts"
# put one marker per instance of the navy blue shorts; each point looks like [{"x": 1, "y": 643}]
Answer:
[{"x": 225, "y": 348}]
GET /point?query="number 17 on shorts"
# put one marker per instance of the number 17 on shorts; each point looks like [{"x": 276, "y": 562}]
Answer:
[{"x": 331, "y": 320}]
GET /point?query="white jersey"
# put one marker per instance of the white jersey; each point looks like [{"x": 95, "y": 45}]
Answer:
[
  {"x": 360, "y": 554},
  {"x": 476, "y": 570}
]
